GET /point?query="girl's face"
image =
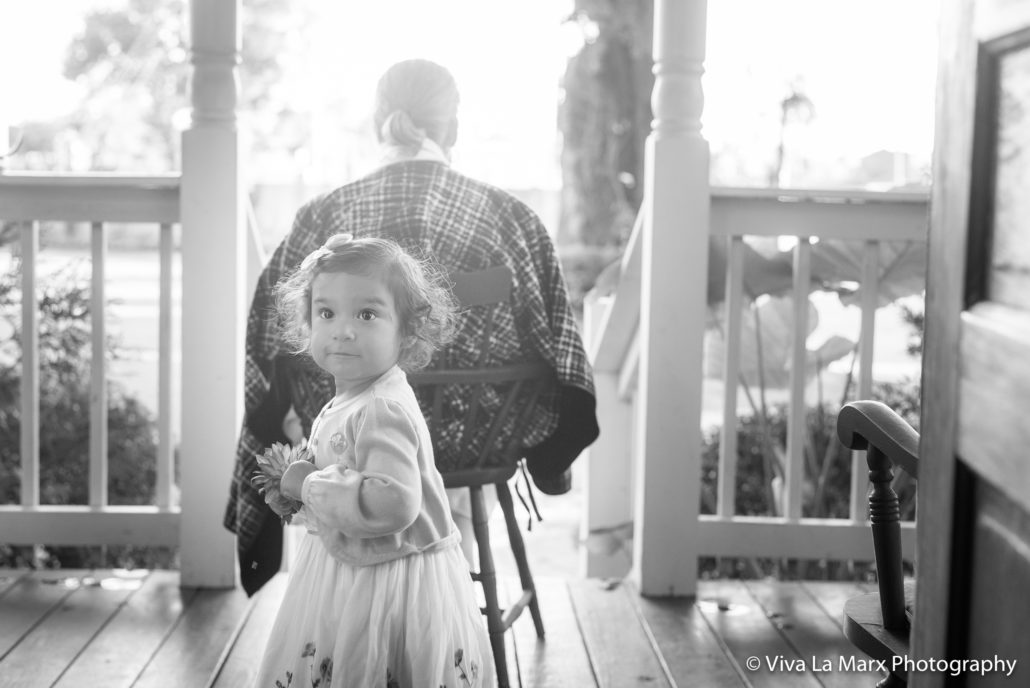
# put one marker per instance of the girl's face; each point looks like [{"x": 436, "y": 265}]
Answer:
[{"x": 355, "y": 328}]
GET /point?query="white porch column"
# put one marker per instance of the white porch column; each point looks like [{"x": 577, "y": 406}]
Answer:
[
  {"x": 675, "y": 267},
  {"x": 213, "y": 307}
]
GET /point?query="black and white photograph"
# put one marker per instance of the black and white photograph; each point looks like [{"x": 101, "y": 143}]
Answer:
[{"x": 495, "y": 344}]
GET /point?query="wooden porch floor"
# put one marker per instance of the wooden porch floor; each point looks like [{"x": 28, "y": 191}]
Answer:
[{"x": 114, "y": 628}]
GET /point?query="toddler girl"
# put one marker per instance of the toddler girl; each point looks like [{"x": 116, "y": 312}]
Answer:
[{"x": 379, "y": 593}]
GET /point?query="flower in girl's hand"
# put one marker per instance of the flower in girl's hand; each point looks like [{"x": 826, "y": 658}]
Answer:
[{"x": 272, "y": 465}]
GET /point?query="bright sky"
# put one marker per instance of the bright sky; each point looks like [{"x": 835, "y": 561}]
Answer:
[
  {"x": 868, "y": 67},
  {"x": 31, "y": 36}
]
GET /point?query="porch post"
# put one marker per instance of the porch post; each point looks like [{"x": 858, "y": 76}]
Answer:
[
  {"x": 213, "y": 271},
  {"x": 673, "y": 302}
]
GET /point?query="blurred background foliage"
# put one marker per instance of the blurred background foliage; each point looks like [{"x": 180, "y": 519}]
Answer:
[{"x": 604, "y": 120}]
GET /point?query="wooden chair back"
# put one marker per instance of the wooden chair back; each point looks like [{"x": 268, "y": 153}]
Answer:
[{"x": 497, "y": 401}]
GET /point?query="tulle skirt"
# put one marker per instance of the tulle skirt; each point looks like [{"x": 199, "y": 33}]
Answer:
[{"x": 408, "y": 623}]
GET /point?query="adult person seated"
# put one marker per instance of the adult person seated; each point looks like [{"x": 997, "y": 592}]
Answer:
[{"x": 461, "y": 224}]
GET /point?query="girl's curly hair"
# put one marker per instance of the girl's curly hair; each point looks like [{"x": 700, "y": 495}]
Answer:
[{"x": 425, "y": 306}]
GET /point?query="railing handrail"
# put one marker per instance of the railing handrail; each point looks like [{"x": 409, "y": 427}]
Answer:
[
  {"x": 57, "y": 178},
  {"x": 849, "y": 215},
  {"x": 819, "y": 195},
  {"x": 91, "y": 197}
]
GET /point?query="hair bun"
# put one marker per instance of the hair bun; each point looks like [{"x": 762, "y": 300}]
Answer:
[{"x": 400, "y": 130}]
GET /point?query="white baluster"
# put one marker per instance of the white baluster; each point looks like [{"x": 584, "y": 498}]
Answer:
[
  {"x": 29, "y": 366},
  {"x": 794, "y": 477},
  {"x": 734, "y": 304},
  {"x": 165, "y": 339},
  {"x": 98, "y": 464},
  {"x": 870, "y": 296}
]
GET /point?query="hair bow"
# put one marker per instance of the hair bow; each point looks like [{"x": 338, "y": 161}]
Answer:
[{"x": 331, "y": 244}]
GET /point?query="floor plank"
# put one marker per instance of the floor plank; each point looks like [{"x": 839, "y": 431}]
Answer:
[
  {"x": 767, "y": 658},
  {"x": 693, "y": 654},
  {"x": 191, "y": 652},
  {"x": 88, "y": 629},
  {"x": 831, "y": 596},
  {"x": 619, "y": 650},
  {"x": 244, "y": 658},
  {"x": 813, "y": 634},
  {"x": 8, "y": 578},
  {"x": 142, "y": 623},
  {"x": 42, "y": 655},
  {"x": 560, "y": 659},
  {"x": 27, "y": 601}
]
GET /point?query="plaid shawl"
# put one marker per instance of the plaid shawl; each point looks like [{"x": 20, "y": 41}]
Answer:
[{"x": 462, "y": 225}]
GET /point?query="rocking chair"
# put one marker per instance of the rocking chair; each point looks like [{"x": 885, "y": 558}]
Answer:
[{"x": 498, "y": 401}]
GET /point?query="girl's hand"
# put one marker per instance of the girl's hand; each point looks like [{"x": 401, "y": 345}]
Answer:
[
  {"x": 283, "y": 506},
  {"x": 292, "y": 482}
]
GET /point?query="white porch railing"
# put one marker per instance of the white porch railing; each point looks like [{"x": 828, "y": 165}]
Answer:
[
  {"x": 611, "y": 324},
  {"x": 611, "y": 329},
  {"x": 148, "y": 203},
  {"x": 29, "y": 199}
]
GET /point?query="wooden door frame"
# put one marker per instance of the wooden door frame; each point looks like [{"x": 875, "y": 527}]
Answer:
[{"x": 956, "y": 193}]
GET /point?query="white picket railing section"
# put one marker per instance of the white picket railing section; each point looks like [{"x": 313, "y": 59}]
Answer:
[
  {"x": 29, "y": 200},
  {"x": 611, "y": 322},
  {"x": 101, "y": 200}
]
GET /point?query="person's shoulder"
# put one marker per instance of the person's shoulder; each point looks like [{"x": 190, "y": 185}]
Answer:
[
  {"x": 393, "y": 386},
  {"x": 505, "y": 203},
  {"x": 486, "y": 188},
  {"x": 340, "y": 195}
]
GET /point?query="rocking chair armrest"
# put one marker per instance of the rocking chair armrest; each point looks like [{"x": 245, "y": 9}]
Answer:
[{"x": 861, "y": 424}]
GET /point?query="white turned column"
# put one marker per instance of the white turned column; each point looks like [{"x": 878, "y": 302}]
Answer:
[
  {"x": 667, "y": 448},
  {"x": 213, "y": 271}
]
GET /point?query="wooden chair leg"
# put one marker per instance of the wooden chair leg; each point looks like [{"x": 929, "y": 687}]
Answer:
[
  {"x": 488, "y": 579},
  {"x": 518, "y": 548}
]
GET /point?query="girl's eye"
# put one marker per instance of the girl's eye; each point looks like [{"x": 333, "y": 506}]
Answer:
[
  {"x": 325, "y": 314},
  {"x": 367, "y": 314}
]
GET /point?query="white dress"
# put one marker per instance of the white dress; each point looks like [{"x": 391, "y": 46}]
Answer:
[{"x": 409, "y": 619}]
